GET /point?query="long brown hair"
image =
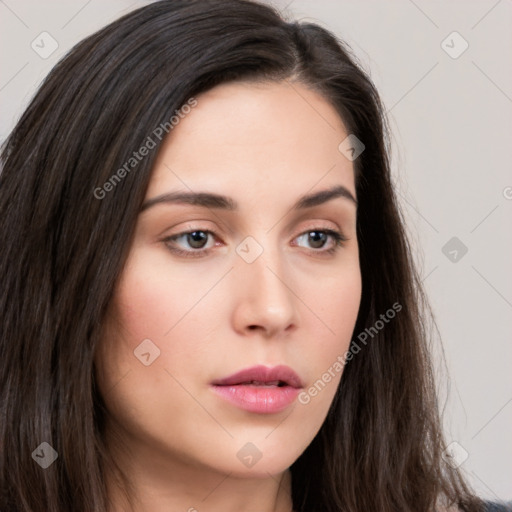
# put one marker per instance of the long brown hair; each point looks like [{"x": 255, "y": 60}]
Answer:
[{"x": 63, "y": 248}]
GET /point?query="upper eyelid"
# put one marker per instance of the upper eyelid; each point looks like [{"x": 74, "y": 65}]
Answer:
[
  {"x": 213, "y": 232},
  {"x": 230, "y": 231}
]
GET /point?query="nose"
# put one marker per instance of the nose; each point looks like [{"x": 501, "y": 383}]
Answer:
[{"x": 265, "y": 299}]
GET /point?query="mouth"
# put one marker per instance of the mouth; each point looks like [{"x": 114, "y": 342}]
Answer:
[
  {"x": 260, "y": 389},
  {"x": 278, "y": 376},
  {"x": 278, "y": 383}
]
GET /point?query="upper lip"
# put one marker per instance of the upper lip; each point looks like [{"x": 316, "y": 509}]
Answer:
[{"x": 262, "y": 374}]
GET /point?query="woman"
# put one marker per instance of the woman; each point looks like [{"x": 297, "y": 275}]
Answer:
[{"x": 209, "y": 297}]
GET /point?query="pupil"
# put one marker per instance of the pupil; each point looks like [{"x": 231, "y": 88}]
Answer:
[
  {"x": 318, "y": 238},
  {"x": 197, "y": 237}
]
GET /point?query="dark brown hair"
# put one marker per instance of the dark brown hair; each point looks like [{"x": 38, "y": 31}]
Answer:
[{"x": 63, "y": 249}]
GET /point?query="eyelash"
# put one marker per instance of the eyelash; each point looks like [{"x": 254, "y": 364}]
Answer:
[{"x": 338, "y": 237}]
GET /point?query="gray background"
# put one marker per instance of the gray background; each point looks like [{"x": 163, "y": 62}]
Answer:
[{"x": 452, "y": 133}]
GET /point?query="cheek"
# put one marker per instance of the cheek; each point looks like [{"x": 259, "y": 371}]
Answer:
[
  {"x": 145, "y": 303},
  {"x": 334, "y": 313},
  {"x": 336, "y": 305},
  {"x": 157, "y": 318},
  {"x": 147, "y": 349},
  {"x": 155, "y": 300}
]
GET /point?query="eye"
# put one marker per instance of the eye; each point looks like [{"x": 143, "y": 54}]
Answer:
[
  {"x": 197, "y": 240},
  {"x": 318, "y": 238}
]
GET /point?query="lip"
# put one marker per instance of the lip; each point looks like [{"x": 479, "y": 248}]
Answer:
[
  {"x": 255, "y": 389},
  {"x": 262, "y": 374}
]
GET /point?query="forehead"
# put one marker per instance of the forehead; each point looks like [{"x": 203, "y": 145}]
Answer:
[{"x": 255, "y": 137}]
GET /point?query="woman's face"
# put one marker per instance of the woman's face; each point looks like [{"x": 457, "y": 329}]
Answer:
[{"x": 259, "y": 283}]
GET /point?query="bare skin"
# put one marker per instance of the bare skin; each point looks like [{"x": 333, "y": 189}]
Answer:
[{"x": 264, "y": 146}]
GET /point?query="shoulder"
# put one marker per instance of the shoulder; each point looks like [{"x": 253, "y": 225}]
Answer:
[
  {"x": 488, "y": 507},
  {"x": 498, "y": 507}
]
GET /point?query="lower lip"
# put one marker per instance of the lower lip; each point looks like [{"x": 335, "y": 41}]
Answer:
[{"x": 259, "y": 399}]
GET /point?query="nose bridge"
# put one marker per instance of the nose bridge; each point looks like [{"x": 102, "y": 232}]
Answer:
[{"x": 265, "y": 286}]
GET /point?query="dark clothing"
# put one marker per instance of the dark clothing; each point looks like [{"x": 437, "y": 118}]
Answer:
[{"x": 498, "y": 507}]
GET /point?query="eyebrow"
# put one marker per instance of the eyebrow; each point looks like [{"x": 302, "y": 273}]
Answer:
[{"x": 218, "y": 201}]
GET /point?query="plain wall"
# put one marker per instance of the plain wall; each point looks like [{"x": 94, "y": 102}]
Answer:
[{"x": 451, "y": 121}]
